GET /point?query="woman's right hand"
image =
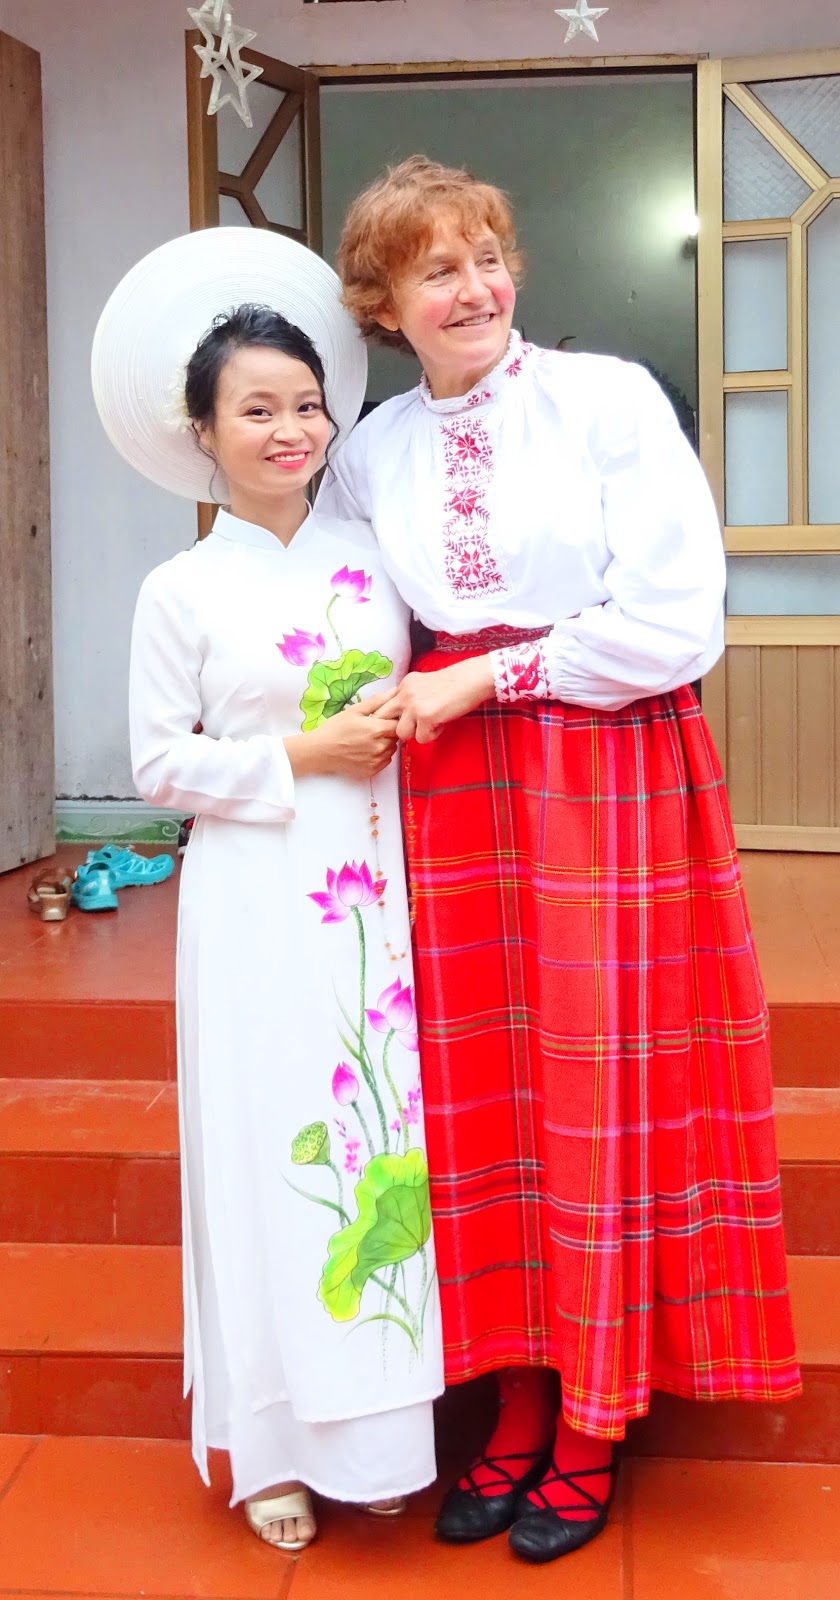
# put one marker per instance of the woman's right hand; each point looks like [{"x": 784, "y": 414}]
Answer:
[{"x": 356, "y": 743}]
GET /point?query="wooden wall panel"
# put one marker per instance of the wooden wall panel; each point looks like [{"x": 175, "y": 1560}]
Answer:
[
  {"x": 27, "y": 759},
  {"x": 778, "y": 735},
  {"x": 816, "y": 738},
  {"x": 743, "y": 726},
  {"x": 783, "y": 745}
]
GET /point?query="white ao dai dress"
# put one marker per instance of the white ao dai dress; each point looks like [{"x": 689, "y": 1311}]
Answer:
[{"x": 312, "y": 1332}]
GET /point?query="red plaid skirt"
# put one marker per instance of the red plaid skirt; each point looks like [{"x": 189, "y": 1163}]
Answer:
[{"x": 596, "y": 1070}]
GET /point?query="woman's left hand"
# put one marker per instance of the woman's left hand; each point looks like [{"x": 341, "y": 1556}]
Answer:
[{"x": 426, "y": 701}]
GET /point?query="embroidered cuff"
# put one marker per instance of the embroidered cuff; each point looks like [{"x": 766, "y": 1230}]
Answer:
[{"x": 520, "y": 672}]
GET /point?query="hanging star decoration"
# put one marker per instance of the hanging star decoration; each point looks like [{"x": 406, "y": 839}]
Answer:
[
  {"x": 582, "y": 19},
  {"x": 215, "y": 20}
]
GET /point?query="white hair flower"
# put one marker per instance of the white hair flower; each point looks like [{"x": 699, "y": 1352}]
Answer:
[{"x": 176, "y": 414}]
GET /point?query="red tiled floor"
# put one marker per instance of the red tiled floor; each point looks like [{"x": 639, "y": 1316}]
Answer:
[
  {"x": 794, "y": 904},
  {"x": 129, "y": 1518},
  {"x": 353, "y": 1557},
  {"x": 74, "y": 959},
  {"x": 111, "y": 1517},
  {"x": 91, "y": 996},
  {"x": 734, "y": 1531}
]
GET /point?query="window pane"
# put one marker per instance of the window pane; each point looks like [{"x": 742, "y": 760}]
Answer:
[
  {"x": 824, "y": 365},
  {"x": 810, "y": 109},
  {"x": 783, "y": 586},
  {"x": 231, "y": 214},
  {"x": 279, "y": 188},
  {"x": 236, "y": 142},
  {"x": 756, "y": 459},
  {"x": 755, "y": 306},
  {"x": 757, "y": 181}
]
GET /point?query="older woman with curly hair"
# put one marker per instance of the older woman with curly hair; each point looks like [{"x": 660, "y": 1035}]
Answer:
[{"x": 593, "y": 1027}]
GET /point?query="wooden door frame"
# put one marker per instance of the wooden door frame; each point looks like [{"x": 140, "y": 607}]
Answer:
[
  {"x": 718, "y": 81},
  {"x": 27, "y": 737}
]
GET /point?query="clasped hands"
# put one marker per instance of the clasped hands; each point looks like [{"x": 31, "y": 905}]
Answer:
[{"x": 424, "y": 702}]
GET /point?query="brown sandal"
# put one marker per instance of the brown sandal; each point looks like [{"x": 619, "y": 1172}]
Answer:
[{"x": 49, "y": 896}]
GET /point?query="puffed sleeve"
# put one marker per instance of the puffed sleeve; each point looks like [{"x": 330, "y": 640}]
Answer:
[
  {"x": 247, "y": 780},
  {"x": 662, "y": 625},
  {"x": 343, "y": 492}
]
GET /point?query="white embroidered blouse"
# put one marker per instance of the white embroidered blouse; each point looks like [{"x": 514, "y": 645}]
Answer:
[{"x": 560, "y": 493}]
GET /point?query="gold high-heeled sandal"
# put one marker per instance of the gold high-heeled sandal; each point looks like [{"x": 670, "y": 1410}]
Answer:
[
  {"x": 261, "y": 1514},
  {"x": 386, "y": 1508},
  {"x": 49, "y": 896}
]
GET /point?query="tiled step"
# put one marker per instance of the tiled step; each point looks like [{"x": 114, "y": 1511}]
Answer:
[
  {"x": 808, "y": 1130},
  {"x": 93, "y": 997},
  {"x": 88, "y": 1162},
  {"x": 805, "y": 1045},
  {"x": 794, "y": 906},
  {"x": 96, "y": 1162},
  {"x": 806, "y": 1429},
  {"x": 90, "y": 1340}
]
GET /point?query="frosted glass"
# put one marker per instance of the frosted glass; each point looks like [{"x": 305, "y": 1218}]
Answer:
[
  {"x": 231, "y": 214},
  {"x": 757, "y": 181},
  {"x": 236, "y": 142},
  {"x": 755, "y": 306},
  {"x": 756, "y": 460},
  {"x": 783, "y": 586},
  {"x": 824, "y": 365},
  {"x": 810, "y": 109},
  {"x": 279, "y": 188}
]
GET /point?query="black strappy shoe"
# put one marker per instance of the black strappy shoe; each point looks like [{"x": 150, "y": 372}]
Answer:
[
  {"x": 542, "y": 1533},
  {"x": 469, "y": 1514}
]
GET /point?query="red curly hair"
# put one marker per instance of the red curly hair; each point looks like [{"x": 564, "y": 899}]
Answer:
[{"x": 393, "y": 221}]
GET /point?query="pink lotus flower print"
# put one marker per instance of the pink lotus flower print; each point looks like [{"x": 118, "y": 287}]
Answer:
[
  {"x": 353, "y": 586},
  {"x": 345, "y": 1084},
  {"x": 396, "y": 1013},
  {"x": 301, "y": 649},
  {"x": 351, "y": 887}
]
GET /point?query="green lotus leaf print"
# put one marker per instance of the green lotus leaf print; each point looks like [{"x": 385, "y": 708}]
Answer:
[
  {"x": 393, "y": 1224},
  {"x": 335, "y": 684},
  {"x": 311, "y": 1148}
]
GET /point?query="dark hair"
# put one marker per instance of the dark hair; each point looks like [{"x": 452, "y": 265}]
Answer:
[{"x": 238, "y": 329}]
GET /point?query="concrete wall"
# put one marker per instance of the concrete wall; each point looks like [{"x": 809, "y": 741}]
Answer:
[{"x": 117, "y": 186}]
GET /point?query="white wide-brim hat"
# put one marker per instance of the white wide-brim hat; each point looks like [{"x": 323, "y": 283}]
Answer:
[{"x": 163, "y": 307}]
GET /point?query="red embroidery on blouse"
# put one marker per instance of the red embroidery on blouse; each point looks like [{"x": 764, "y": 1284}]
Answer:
[
  {"x": 479, "y": 396},
  {"x": 470, "y": 565},
  {"x": 521, "y": 673},
  {"x": 517, "y": 363}
]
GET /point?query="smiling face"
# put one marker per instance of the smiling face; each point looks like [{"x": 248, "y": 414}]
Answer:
[
  {"x": 454, "y": 304},
  {"x": 270, "y": 429}
]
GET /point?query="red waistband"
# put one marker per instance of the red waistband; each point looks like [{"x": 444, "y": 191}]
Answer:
[{"x": 488, "y": 639}]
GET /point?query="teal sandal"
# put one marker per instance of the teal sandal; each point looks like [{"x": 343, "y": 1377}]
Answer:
[
  {"x": 93, "y": 888},
  {"x": 127, "y": 868}
]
